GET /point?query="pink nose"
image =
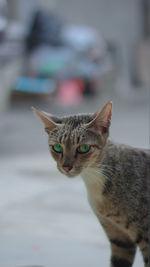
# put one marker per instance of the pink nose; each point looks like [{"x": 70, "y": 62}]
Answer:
[{"x": 67, "y": 168}]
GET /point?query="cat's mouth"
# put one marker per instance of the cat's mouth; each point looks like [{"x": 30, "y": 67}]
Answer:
[{"x": 71, "y": 174}]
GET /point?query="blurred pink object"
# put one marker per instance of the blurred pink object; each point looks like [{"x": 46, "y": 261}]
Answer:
[
  {"x": 70, "y": 92},
  {"x": 36, "y": 247}
]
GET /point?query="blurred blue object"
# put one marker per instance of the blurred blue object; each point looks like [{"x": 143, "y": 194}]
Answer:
[
  {"x": 35, "y": 85},
  {"x": 83, "y": 39},
  {"x": 47, "y": 60}
]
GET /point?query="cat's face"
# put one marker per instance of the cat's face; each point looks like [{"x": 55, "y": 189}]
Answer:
[
  {"x": 76, "y": 142},
  {"x": 73, "y": 146}
]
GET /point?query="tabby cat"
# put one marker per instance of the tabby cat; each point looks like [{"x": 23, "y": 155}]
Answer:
[{"x": 116, "y": 177}]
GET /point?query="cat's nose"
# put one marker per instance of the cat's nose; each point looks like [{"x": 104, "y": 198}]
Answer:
[{"x": 67, "y": 168}]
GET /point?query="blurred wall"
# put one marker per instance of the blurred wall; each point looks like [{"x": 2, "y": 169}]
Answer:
[{"x": 22, "y": 9}]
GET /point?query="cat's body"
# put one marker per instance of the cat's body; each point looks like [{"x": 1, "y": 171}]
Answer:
[
  {"x": 118, "y": 195},
  {"x": 116, "y": 177}
]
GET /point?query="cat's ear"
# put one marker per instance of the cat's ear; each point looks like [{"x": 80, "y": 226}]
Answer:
[
  {"x": 102, "y": 119},
  {"x": 48, "y": 119}
]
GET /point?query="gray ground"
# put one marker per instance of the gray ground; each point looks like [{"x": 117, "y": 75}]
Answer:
[{"x": 45, "y": 217}]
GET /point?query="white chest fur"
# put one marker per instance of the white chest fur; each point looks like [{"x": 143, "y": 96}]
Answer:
[
  {"x": 94, "y": 181},
  {"x": 101, "y": 204}
]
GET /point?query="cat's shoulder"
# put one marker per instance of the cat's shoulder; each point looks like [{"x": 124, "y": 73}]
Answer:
[
  {"x": 128, "y": 150},
  {"x": 127, "y": 147}
]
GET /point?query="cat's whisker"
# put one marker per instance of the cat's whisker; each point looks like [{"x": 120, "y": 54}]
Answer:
[
  {"x": 101, "y": 165},
  {"x": 104, "y": 169},
  {"x": 92, "y": 175},
  {"x": 103, "y": 174},
  {"x": 97, "y": 179},
  {"x": 102, "y": 181}
]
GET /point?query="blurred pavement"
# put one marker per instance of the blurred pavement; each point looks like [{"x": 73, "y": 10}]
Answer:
[{"x": 45, "y": 217}]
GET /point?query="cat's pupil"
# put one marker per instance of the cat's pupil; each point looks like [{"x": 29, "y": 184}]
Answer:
[
  {"x": 58, "y": 148},
  {"x": 83, "y": 148}
]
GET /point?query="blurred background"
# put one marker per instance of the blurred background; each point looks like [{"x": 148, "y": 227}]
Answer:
[{"x": 64, "y": 56}]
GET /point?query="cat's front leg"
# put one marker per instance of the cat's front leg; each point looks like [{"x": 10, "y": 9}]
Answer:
[
  {"x": 122, "y": 248},
  {"x": 123, "y": 253},
  {"x": 143, "y": 245}
]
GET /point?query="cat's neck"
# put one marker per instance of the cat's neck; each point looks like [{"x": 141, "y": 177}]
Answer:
[
  {"x": 93, "y": 176},
  {"x": 99, "y": 174},
  {"x": 94, "y": 181}
]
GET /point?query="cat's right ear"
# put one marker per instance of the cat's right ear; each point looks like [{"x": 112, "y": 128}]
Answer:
[
  {"x": 102, "y": 120},
  {"x": 47, "y": 118}
]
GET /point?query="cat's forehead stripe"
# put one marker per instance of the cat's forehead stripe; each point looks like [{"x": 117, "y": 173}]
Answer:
[
  {"x": 72, "y": 134},
  {"x": 72, "y": 130},
  {"x": 77, "y": 120}
]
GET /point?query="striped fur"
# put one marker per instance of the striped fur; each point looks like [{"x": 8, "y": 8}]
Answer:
[{"x": 116, "y": 178}]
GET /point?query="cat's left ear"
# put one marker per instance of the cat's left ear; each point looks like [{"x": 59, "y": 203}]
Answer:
[
  {"x": 50, "y": 122},
  {"x": 102, "y": 120}
]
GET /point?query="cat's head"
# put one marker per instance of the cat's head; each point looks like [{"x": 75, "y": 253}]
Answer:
[{"x": 77, "y": 141}]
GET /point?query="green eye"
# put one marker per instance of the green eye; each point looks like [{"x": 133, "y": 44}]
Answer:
[
  {"x": 58, "y": 148},
  {"x": 83, "y": 148}
]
